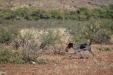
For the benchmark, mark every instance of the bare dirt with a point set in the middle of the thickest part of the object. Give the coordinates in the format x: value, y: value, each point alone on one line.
x: 67, y: 64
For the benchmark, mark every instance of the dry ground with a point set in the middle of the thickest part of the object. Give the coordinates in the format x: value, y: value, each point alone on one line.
x: 67, y: 64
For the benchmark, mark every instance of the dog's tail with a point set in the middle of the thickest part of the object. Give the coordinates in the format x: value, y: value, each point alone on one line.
x: 90, y: 42
x: 90, y: 50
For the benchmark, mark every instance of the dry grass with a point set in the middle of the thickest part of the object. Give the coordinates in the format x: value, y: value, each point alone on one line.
x: 66, y: 64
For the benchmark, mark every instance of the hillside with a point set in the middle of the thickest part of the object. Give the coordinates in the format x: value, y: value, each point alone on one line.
x: 54, y: 4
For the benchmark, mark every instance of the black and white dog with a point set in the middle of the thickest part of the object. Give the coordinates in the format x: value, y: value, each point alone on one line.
x: 79, y: 47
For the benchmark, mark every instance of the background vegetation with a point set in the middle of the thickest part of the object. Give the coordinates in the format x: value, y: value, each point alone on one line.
x: 36, y: 14
x: 82, y: 25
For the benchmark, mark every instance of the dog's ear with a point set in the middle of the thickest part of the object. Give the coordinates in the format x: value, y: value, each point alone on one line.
x: 70, y: 45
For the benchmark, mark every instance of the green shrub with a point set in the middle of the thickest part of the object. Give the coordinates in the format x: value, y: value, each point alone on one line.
x: 29, y: 55
x: 55, y: 14
x: 12, y: 57
x: 6, y: 14
x: 36, y: 14
x: 100, y: 13
x: 5, y: 36
x: 102, y: 36
x: 84, y: 13
x: 22, y: 13
x: 97, y: 32
x: 105, y: 12
x: 110, y: 11
x: 40, y: 14
x: 79, y: 39
x: 73, y: 15
x: 7, y: 56
x: 51, y: 38
x: 108, y: 24
x: 29, y: 46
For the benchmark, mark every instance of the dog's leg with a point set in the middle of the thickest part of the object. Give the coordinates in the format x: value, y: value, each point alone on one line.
x: 79, y: 53
x: 91, y: 52
x: 66, y: 49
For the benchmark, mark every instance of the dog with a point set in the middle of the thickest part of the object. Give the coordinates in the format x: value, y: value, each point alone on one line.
x: 78, y: 48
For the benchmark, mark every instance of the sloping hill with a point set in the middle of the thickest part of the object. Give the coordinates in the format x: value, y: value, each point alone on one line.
x: 53, y: 4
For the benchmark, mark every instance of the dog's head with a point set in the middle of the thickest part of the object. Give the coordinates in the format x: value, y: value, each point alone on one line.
x: 69, y: 45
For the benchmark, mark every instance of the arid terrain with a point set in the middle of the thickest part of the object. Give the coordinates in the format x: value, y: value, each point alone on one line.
x: 54, y: 4
x: 35, y: 35
x: 66, y: 64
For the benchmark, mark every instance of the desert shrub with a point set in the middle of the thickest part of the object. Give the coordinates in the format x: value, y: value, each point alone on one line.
x: 104, y: 12
x: 6, y: 14
x: 102, y: 36
x: 5, y: 36
x: 22, y: 13
x: 29, y: 46
x: 79, y: 39
x: 36, y: 14
x: 97, y: 32
x: 100, y: 13
x: 73, y: 15
x: 29, y: 55
x: 50, y: 38
x: 55, y: 14
x: 111, y: 6
x: 80, y: 14
x: 39, y: 14
x: 84, y: 13
x: 7, y: 56
x: 77, y: 33
x: 109, y: 10
x: 108, y: 24
x: 54, y: 40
